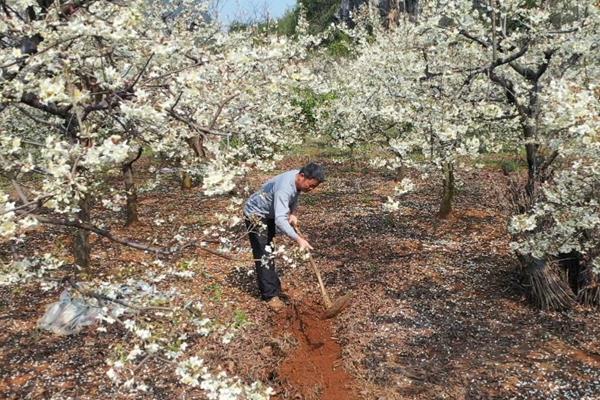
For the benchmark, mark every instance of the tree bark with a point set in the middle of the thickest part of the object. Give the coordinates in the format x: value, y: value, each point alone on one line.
x: 448, y: 193
x: 81, y: 240
x: 547, y: 289
x: 131, y: 211
x: 571, y: 263
x: 186, y: 181
x: 531, y: 151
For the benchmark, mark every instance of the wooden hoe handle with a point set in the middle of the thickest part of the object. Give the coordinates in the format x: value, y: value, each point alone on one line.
x: 326, y: 298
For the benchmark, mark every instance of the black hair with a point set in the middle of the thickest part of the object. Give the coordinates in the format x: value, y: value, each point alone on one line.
x: 313, y: 171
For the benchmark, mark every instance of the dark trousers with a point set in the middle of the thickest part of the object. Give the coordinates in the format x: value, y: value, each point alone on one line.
x: 260, y: 233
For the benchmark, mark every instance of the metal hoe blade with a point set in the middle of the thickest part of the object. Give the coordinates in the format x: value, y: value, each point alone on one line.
x: 331, y: 308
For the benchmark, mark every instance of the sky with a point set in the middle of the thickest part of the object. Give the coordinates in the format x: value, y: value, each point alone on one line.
x: 252, y: 10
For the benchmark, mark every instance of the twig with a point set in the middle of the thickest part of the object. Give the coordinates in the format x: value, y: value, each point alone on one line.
x: 135, y: 158
x: 19, y: 191
x: 38, y: 201
x: 39, y: 120
x: 33, y: 101
x: 137, y: 78
x: 176, y: 101
x: 194, y: 126
x: 40, y: 52
x: 33, y: 143
x: 172, y: 72
x: 218, y: 253
x: 141, y: 362
x: 99, y: 296
x: 106, y: 234
x: 213, y: 123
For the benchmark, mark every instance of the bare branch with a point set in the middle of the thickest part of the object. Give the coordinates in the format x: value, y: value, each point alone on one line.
x: 40, y: 52
x: 213, y: 132
x: 529, y: 73
x: 509, y: 92
x: 218, y: 253
x: 570, y: 62
x: 176, y: 101
x: 106, y: 234
x: 20, y: 191
x: 474, y: 38
x: 14, y: 182
x: 137, y: 78
x: 107, y: 103
x: 186, y: 121
x: 102, y: 297
x: 137, y: 156
x: 548, y: 161
x: 172, y: 72
x: 213, y: 123
x: 489, y: 69
x: 39, y: 202
x: 506, y: 60
x: 525, y: 72
x: 33, y: 101
x: 39, y: 120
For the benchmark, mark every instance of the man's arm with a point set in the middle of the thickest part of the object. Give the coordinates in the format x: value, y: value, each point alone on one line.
x: 282, y: 219
x: 282, y: 210
x: 293, y: 220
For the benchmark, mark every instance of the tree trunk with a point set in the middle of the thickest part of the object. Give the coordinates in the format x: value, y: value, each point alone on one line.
x: 400, y: 173
x: 546, y: 288
x: 81, y: 240
x: 571, y: 263
x: 448, y: 194
x: 186, y: 181
x: 131, y: 211
x: 197, y: 145
x: 531, y: 151
x: 588, y: 284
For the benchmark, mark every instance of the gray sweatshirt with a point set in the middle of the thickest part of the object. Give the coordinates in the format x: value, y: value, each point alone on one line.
x: 276, y: 200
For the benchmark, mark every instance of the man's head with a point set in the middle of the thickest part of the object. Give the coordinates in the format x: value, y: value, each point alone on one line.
x: 309, y: 177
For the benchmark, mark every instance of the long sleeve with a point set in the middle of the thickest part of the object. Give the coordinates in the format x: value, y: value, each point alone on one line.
x: 282, y: 211
x: 294, y: 205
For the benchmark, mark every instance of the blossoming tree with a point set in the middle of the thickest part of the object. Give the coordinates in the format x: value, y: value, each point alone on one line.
x: 89, y: 86
x: 471, y: 76
x: 543, y: 57
x: 406, y: 91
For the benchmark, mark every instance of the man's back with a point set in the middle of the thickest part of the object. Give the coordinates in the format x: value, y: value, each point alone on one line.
x: 262, y: 203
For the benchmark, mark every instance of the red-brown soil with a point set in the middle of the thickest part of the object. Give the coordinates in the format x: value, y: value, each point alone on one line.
x: 438, y: 310
x: 314, y: 369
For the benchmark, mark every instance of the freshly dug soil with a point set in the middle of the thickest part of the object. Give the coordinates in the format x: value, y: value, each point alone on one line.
x: 314, y: 368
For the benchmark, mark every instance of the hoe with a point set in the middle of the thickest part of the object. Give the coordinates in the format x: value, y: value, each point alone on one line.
x: 331, y: 308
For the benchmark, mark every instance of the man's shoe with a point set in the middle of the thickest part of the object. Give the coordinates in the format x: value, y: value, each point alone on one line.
x: 276, y: 304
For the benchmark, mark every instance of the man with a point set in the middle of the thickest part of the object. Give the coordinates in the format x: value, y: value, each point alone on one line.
x: 274, y: 207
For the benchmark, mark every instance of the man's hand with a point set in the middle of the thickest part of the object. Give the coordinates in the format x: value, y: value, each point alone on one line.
x: 303, y: 243
x: 293, y: 220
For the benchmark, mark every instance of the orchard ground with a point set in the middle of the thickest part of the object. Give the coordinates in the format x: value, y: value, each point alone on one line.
x: 437, y: 313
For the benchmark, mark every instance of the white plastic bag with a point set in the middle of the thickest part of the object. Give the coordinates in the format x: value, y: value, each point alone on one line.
x: 67, y: 316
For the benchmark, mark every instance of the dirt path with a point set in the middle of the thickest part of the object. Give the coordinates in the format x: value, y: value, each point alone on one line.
x: 314, y: 369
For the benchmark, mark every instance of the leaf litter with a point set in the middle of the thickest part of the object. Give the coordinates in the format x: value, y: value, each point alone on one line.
x: 437, y: 313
